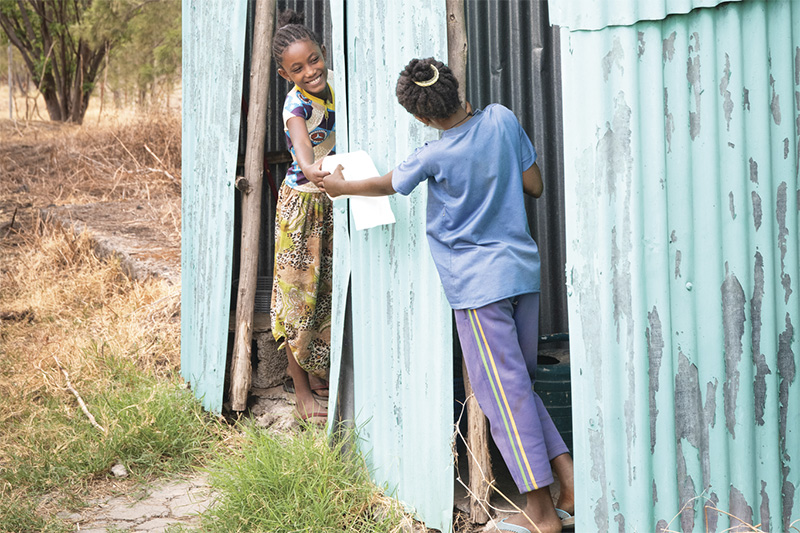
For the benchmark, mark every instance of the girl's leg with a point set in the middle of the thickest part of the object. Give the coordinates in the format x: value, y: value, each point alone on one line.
x: 562, y: 466
x: 306, y: 406
x: 538, y: 511
x: 526, y: 317
x: 498, y: 374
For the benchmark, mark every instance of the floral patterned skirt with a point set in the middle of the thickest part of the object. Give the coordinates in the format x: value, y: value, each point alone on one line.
x: 302, y: 282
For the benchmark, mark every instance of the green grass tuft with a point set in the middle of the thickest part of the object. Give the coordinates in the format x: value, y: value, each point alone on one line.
x: 20, y: 516
x: 154, y: 428
x: 297, y: 483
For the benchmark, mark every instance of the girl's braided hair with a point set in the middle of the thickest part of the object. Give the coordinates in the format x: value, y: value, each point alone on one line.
x: 439, y: 100
x: 291, y: 28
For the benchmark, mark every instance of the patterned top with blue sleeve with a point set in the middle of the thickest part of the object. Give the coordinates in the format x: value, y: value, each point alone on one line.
x: 320, y: 122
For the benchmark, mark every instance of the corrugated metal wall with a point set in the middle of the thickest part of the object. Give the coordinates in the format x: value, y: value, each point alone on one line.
x: 402, y: 340
x: 681, y: 154
x: 213, y: 44
x: 514, y: 59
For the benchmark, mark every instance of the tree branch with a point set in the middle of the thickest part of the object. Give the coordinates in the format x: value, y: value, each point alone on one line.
x: 80, y: 400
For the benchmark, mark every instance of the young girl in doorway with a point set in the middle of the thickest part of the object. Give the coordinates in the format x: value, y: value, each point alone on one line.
x: 301, y: 294
x: 489, y: 266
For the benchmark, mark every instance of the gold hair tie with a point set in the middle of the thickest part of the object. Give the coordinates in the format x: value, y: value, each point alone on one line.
x: 431, y: 81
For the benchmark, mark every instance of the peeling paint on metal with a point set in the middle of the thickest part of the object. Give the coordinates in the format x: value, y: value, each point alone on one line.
x: 669, y: 122
x: 677, y: 264
x: 797, y: 65
x: 620, y: 520
x: 775, y: 106
x: 759, y: 359
x: 746, y: 99
x: 731, y: 205
x: 733, y: 319
x: 786, y: 371
x: 788, y: 499
x: 614, y: 57
x: 739, y: 506
x: 686, y: 492
x: 727, y: 102
x: 692, y: 418
x: 753, y: 170
x: 598, y: 471
x: 711, y: 512
x: 693, y: 76
x: 757, y: 213
x: 783, y: 232
x: 641, y: 44
x: 764, y: 509
x: 668, y: 47
x: 786, y: 148
x: 655, y: 351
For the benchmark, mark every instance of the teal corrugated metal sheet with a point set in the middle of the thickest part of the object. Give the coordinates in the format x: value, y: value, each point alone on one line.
x: 341, y: 237
x: 213, y: 51
x: 598, y: 14
x: 681, y: 150
x: 402, y: 338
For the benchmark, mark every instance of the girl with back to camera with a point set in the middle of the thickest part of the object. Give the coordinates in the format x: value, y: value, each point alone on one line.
x: 301, y: 290
x: 488, y: 262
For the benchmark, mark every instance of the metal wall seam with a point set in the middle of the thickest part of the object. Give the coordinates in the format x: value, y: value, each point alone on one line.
x: 595, y: 15
x: 682, y: 276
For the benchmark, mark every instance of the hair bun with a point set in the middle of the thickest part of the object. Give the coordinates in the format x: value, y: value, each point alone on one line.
x: 290, y: 16
x: 420, y: 69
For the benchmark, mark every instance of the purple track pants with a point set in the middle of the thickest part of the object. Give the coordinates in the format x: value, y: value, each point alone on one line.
x: 500, y: 346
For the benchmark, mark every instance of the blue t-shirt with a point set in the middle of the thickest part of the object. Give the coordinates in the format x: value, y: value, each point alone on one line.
x: 477, y: 225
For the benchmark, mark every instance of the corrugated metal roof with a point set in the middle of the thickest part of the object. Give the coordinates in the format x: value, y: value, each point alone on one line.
x: 598, y: 14
x: 213, y: 42
x: 401, y: 336
x: 514, y: 59
x: 681, y: 150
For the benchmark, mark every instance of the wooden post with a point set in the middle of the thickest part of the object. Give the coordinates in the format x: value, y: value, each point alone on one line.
x: 481, y: 477
x: 241, y: 370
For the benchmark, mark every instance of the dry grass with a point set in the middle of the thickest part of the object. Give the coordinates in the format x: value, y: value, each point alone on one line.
x: 58, y: 299
x: 45, y: 163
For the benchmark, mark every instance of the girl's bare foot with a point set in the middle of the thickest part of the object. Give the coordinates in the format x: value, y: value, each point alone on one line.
x: 318, y: 386
x: 539, y: 515
x: 563, y: 468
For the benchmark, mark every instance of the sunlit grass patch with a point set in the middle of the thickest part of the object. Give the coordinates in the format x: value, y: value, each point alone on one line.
x: 298, y: 482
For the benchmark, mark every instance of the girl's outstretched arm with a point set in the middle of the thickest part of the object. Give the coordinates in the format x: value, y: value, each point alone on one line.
x: 335, y: 185
x: 532, y: 181
x: 304, y: 152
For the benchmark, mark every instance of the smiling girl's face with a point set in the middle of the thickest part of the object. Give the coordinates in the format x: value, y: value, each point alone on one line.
x: 304, y: 65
